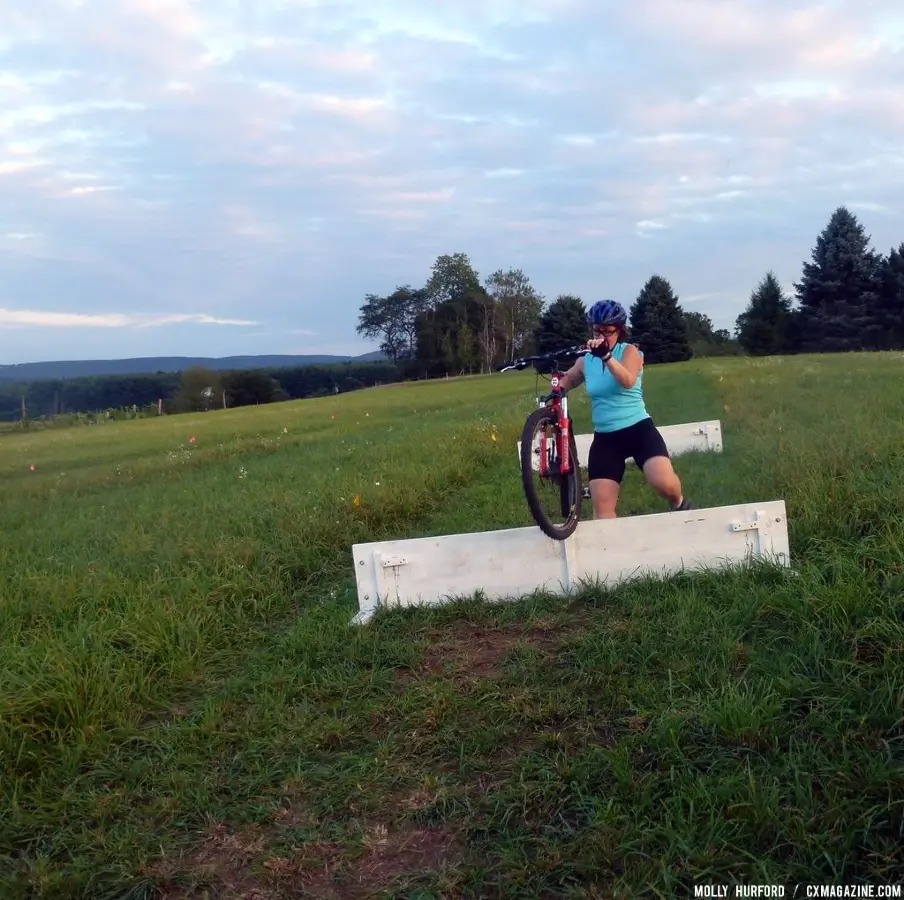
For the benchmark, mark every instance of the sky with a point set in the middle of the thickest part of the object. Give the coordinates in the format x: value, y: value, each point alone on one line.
x: 222, y: 177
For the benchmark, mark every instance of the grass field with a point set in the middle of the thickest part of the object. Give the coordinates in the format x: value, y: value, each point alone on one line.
x: 184, y: 711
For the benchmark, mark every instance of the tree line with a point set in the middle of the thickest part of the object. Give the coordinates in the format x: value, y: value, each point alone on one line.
x: 849, y: 298
x: 196, y: 389
x: 454, y: 324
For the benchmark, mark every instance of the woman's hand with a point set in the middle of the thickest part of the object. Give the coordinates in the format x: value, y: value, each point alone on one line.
x: 600, y: 348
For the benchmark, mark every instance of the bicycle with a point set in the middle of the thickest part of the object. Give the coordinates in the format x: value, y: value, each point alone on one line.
x: 558, y: 454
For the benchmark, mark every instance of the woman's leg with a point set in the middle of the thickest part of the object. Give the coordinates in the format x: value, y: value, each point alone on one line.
x: 660, y: 475
x: 604, y: 495
x: 605, y: 470
x: 652, y: 457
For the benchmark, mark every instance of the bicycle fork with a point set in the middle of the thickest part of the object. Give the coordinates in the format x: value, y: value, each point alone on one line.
x: 561, y: 407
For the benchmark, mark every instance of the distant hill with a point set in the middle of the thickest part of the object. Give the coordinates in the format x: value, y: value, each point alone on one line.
x: 149, y: 364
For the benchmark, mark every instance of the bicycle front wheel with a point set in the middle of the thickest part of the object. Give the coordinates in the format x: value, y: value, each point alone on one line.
x: 553, y: 496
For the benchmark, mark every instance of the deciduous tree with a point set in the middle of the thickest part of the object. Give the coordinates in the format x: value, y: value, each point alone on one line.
x: 199, y: 389
x: 517, y: 310
x: 382, y: 319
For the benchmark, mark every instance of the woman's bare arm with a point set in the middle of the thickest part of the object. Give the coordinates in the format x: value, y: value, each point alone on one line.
x: 574, y: 377
x: 626, y: 371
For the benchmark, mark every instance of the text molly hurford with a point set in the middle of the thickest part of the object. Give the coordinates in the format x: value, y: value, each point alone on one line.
x: 798, y: 891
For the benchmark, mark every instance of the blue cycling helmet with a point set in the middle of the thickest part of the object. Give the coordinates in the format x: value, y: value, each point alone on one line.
x: 607, y: 312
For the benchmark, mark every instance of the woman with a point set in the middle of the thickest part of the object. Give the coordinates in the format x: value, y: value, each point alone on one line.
x: 621, y: 424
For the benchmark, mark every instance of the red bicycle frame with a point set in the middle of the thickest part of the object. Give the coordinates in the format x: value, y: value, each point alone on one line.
x: 566, y: 469
x: 560, y: 405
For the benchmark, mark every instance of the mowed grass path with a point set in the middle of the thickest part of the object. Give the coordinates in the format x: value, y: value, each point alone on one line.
x: 184, y: 711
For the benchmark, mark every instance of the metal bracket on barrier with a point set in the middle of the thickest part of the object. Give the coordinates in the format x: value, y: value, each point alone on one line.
x: 764, y: 525
x: 746, y: 526
x: 381, y: 564
x: 709, y: 432
x: 390, y: 562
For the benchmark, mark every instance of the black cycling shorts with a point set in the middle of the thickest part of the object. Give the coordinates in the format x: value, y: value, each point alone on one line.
x: 610, y: 449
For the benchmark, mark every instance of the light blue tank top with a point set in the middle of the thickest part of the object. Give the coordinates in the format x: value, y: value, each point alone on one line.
x: 611, y: 406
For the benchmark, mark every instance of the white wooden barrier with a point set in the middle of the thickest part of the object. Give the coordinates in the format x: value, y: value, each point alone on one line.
x: 513, y: 562
x: 685, y: 438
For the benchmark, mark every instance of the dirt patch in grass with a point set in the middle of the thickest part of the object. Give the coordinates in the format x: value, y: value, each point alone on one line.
x: 388, y: 854
x: 230, y: 866
x: 294, y: 815
x: 472, y: 650
x: 222, y: 863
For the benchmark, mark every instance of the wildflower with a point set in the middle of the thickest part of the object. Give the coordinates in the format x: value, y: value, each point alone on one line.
x: 356, y: 502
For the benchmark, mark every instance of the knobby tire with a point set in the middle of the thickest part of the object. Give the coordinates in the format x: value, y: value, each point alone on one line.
x: 570, y: 488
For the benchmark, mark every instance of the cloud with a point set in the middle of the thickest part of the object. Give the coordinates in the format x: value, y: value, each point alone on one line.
x: 47, y: 319
x: 272, y: 163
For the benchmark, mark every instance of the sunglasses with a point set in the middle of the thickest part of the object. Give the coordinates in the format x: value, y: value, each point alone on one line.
x: 607, y: 330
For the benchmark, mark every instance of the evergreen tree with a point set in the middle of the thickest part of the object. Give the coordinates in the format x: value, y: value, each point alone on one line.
x: 837, y: 292
x: 658, y: 325
x: 889, y: 312
x: 563, y: 324
x: 763, y: 329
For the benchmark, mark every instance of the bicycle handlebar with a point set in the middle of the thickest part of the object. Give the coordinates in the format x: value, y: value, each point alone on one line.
x: 525, y: 361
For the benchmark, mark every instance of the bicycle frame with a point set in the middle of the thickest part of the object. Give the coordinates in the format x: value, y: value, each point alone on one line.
x: 560, y: 405
x: 559, y: 401
x: 564, y: 471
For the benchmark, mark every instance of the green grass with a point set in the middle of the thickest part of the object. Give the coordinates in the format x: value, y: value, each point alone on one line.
x: 184, y: 711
